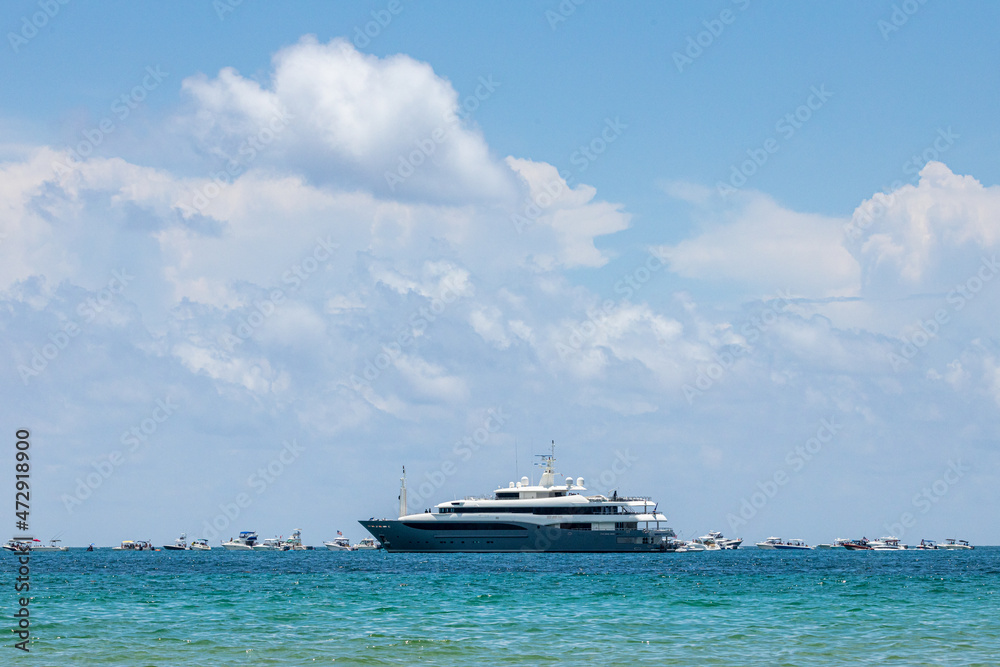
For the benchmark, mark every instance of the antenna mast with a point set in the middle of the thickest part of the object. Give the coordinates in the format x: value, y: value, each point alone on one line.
x: 402, y: 493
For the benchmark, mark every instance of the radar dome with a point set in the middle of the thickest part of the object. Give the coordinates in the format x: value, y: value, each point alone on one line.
x: 579, y: 481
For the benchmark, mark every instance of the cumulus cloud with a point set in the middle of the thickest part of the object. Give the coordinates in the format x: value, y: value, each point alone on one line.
x: 390, y: 126
x: 923, y: 237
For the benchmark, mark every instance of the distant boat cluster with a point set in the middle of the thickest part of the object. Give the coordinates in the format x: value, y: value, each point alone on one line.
x: 247, y: 541
x: 864, y: 544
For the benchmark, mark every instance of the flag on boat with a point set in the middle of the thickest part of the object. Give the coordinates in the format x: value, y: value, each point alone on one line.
x: 339, y: 534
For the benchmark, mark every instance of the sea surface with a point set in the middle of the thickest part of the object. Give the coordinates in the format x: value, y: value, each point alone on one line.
x: 320, y: 607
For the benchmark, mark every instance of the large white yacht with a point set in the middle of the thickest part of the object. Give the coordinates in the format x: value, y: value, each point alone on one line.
x: 543, y: 517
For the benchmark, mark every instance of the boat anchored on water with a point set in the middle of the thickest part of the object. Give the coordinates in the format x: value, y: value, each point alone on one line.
x: 339, y: 543
x: 53, y: 545
x: 778, y: 543
x: 269, y: 544
x: 180, y: 544
x: 837, y: 544
x: 927, y: 545
x: 725, y: 542
x: 887, y: 544
x: 952, y: 543
x: 19, y: 544
x: 245, y: 542
x: 200, y: 544
x: 294, y: 543
x: 135, y: 545
x: 543, y: 517
x: 858, y: 545
x: 367, y: 544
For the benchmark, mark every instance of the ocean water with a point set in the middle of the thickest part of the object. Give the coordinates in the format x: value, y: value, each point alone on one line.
x: 722, y: 608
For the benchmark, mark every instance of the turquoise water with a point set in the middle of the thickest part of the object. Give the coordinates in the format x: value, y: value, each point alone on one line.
x: 722, y: 608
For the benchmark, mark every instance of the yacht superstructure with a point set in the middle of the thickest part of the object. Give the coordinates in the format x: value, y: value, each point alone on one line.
x: 543, y: 517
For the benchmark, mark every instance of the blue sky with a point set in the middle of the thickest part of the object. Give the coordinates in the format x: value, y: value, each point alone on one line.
x: 639, y: 313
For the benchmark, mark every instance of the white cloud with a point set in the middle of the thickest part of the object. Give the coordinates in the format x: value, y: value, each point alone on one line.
x: 352, y: 118
x: 570, y: 215
x: 762, y: 246
x: 922, y: 237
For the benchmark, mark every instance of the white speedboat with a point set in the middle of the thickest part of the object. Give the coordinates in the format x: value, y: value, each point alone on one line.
x: 53, y: 545
x: 794, y: 545
x: 180, y: 544
x: 887, y: 544
x: 19, y: 544
x: 201, y: 544
x: 837, y: 544
x: 952, y: 543
x: 294, y: 543
x: 691, y: 546
x: 725, y: 542
x: 269, y: 544
x: 135, y: 545
x: 927, y: 545
x: 367, y: 544
x: 339, y: 543
x: 770, y: 543
x: 245, y: 542
x: 547, y: 516
x: 708, y: 541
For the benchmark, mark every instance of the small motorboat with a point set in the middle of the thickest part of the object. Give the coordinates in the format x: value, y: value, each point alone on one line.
x: 18, y: 544
x: 952, y: 543
x: 367, y: 544
x: 339, y: 543
x: 770, y: 543
x: 201, y: 544
x: 180, y: 544
x: 858, y: 545
x: 53, y: 545
x: 294, y: 543
x: 726, y: 542
x: 927, y: 545
x: 245, y: 542
x: 135, y: 545
x: 794, y: 545
x: 269, y: 544
x: 837, y: 544
x: 887, y: 544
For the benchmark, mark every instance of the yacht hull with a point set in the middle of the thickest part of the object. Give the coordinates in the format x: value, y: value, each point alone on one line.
x: 513, y: 536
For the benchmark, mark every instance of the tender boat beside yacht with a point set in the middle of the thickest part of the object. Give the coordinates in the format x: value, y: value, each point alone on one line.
x: 367, y: 544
